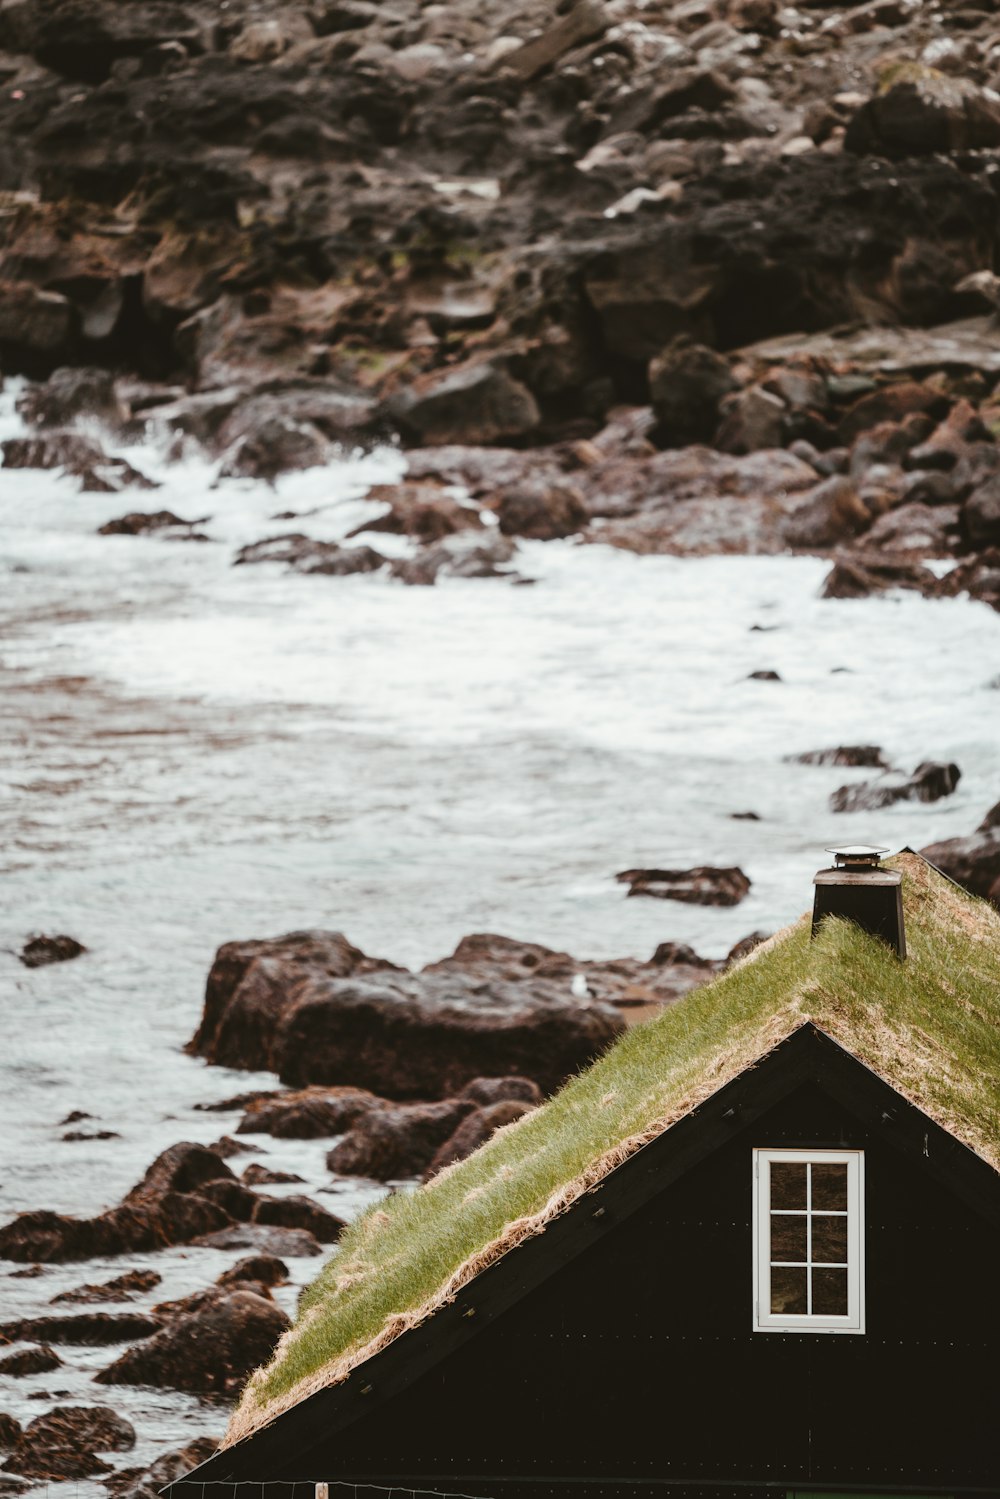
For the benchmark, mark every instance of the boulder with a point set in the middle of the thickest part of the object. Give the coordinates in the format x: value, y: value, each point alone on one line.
x: 41, y: 1360
x: 702, y: 886
x: 923, y: 111
x: 10, y: 1430
x: 264, y: 1269
x: 752, y: 419
x: 465, y: 555
x: 305, y: 555
x: 979, y: 577
x: 63, y: 1444
x: 34, y: 322
x: 861, y: 575
x: 541, y: 511
x: 299, y: 1212
x: 71, y: 393
x: 149, y: 1483
x: 211, y: 1350
x: 85, y: 1329
x: 868, y: 755
x: 39, y: 951
x: 425, y: 511
x: 257, y: 1175
x: 475, y: 402
x: 980, y: 515
x: 831, y: 513
x: 474, y: 1130
x: 314, y: 1009
x: 916, y: 530
x: 278, y: 446
x: 686, y: 384
x: 121, y: 1288
x: 258, y: 1238
x: 141, y: 523
x: 973, y: 861
x: 308, y: 1114
x: 485, y: 1091
x: 397, y: 1142
x: 931, y: 781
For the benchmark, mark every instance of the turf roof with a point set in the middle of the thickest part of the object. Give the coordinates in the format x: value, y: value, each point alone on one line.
x: 930, y: 1027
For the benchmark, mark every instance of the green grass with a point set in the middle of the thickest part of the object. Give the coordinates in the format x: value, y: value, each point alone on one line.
x: 930, y: 1026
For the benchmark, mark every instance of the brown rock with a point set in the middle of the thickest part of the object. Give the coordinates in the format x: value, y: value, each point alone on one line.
x: 149, y: 1483
x: 916, y: 530
x: 974, y: 861
x: 308, y: 1114
x: 10, y: 1430
x: 466, y: 555
x: 264, y: 1269
x: 38, y: 951
x: 890, y: 403
x: 474, y: 1130
x: 289, y: 1243
x: 86, y: 1329
x: 859, y: 576
x: 140, y: 523
x: 703, y: 885
x: 541, y: 511
x: 425, y: 511
x: 306, y: 555
x: 63, y: 1444
x: 299, y: 1212
x: 257, y: 1175
x: 34, y: 321
x: 828, y: 514
x: 931, y: 781
x: 71, y: 393
x: 980, y: 516
x: 979, y: 577
x: 472, y: 403
x: 397, y: 1142
x: 40, y: 1360
x: 868, y: 755
x: 209, y: 1350
x: 686, y: 384
x: 486, y: 1091
x: 121, y: 1288
x: 924, y: 112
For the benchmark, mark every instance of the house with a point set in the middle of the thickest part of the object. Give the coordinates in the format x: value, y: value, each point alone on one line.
x: 754, y: 1249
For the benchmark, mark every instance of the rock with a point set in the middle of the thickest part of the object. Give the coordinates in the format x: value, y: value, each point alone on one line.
x: 121, y: 1288
x: 140, y: 523
x: 299, y: 1212
x: 974, y: 861
x: 745, y: 946
x: 308, y: 1114
x: 861, y: 575
x: 980, y: 515
x: 465, y: 555
x: 474, y: 1130
x: 889, y: 403
x: 257, y: 1175
x: 763, y: 676
x: 10, y: 1430
x: 485, y: 1091
x: 929, y: 783
x: 226, y: 1146
x: 34, y: 322
x: 63, y: 1444
x: 78, y: 455
x: 264, y: 1269
x: 308, y: 556
x: 828, y: 514
x: 979, y: 577
x: 40, y: 1360
x: 39, y: 951
x: 916, y: 531
x: 868, y: 755
x: 288, y: 1243
x: 924, y: 111
x: 278, y: 446
x: 581, y: 23
x: 702, y: 886
x: 71, y: 393
x: 86, y: 1329
x: 207, y: 1351
x: 752, y: 420
x: 425, y: 511
x: 686, y: 384
x: 179, y: 1169
x: 468, y: 403
x: 148, y: 1483
x: 313, y: 1008
x: 397, y: 1142
x: 541, y: 511
x: 235, y: 1200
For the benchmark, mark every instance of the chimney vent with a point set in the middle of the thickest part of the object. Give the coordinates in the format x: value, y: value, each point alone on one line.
x: 860, y: 889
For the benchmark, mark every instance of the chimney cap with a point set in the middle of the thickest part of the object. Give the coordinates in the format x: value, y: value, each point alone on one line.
x: 857, y: 853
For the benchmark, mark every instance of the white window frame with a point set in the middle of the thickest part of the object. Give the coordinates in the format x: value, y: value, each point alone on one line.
x: 763, y: 1319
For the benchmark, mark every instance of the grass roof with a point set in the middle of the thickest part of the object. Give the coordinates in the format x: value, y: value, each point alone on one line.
x: 930, y: 1027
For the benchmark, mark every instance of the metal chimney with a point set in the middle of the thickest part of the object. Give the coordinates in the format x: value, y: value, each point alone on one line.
x: 859, y: 889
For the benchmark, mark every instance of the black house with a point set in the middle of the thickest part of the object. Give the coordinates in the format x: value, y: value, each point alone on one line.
x: 754, y: 1249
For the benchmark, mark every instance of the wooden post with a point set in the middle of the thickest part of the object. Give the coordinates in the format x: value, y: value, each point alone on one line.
x: 322, y: 1491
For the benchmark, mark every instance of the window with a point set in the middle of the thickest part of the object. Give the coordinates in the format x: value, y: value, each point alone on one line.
x: 808, y: 1272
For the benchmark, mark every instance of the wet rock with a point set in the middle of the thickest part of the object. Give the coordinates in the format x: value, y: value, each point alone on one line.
x: 288, y: 1243
x: 973, y: 861
x: 210, y: 1350
x: 980, y: 515
x: 313, y: 1008
x: 264, y: 1269
x: 861, y: 575
x: 468, y: 403
x: 702, y: 886
x: 584, y: 21
x: 226, y: 1146
x: 474, y: 1130
x: 686, y: 384
x: 831, y: 513
x: 34, y: 322
x: 120, y: 1288
x: 40, y: 1360
x: 277, y: 447
x: 485, y: 1091
x: 148, y: 1483
x: 71, y: 393
x: 465, y: 555
x: 868, y: 755
x: 752, y: 419
x: 764, y: 675
x: 924, y: 112
x: 87, y: 1329
x: 397, y: 1142
x: 257, y: 1175
x: 979, y: 577
x: 63, y: 1444
x: 78, y: 455
x: 236, y: 1200
x: 10, y: 1430
x: 916, y: 531
x: 306, y: 555
x: 141, y: 523
x: 39, y: 951
x: 745, y: 947
x: 541, y: 511
x: 425, y: 511
x: 889, y: 403
x: 309, y: 1113
x: 299, y: 1212
x: 931, y: 781
x: 179, y: 1169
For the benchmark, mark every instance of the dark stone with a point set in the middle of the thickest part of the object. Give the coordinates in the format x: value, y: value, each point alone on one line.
x: 425, y: 511
x: 87, y: 1329
x: 232, y: 1197
x: 257, y: 1175
x: 974, y: 861
x: 686, y: 384
x: 308, y: 1114
x: 474, y: 1130
x: 264, y: 1269
x: 745, y: 946
x: 40, y: 1360
x: 10, y: 1430
x: 763, y: 676
x: 931, y: 781
x: 71, y: 393
x: 861, y: 575
x: 979, y: 577
x: 299, y: 1212
x: 462, y: 556
x: 308, y: 556
x: 289, y: 1243
x: 38, y: 951
x: 542, y: 511
x: 140, y: 523
x: 468, y: 403
x: 925, y: 112
x: 703, y: 885
x: 484, y: 1091
x: 671, y: 953
x: 209, y: 1350
x: 397, y: 1142
x: 868, y: 755
x: 831, y: 513
x: 278, y: 446
x: 980, y: 515
x: 121, y: 1288
x: 149, y: 1483
x: 63, y: 1444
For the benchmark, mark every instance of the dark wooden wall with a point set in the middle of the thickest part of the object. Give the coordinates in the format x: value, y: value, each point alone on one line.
x: 635, y: 1365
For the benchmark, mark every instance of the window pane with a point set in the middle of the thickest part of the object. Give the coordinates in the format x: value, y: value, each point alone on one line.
x: 829, y: 1184
x: 788, y: 1237
x: 788, y: 1291
x: 788, y: 1184
x: 829, y: 1292
x: 829, y: 1239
